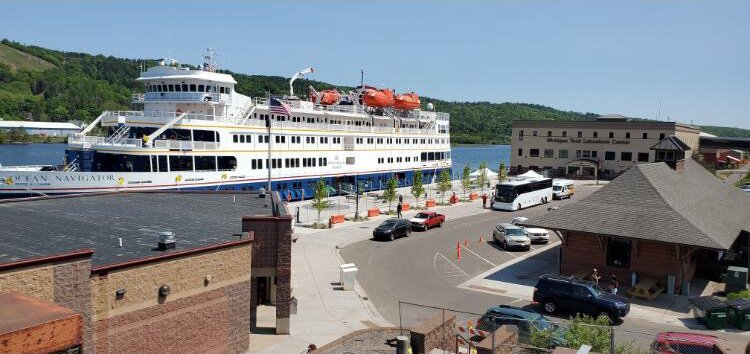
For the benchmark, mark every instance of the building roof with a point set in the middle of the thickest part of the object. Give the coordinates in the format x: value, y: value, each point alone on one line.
x: 671, y: 143
x: 35, y: 228
x: 37, y: 125
x: 653, y: 202
x: 603, y: 124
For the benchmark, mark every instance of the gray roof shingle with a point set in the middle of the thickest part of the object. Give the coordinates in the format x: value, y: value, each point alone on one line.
x: 654, y: 202
x: 671, y: 143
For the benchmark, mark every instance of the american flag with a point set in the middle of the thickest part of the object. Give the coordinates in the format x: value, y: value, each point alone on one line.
x: 278, y: 107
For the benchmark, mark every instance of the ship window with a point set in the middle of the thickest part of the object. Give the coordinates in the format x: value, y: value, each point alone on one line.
x: 200, y: 88
x: 185, y: 87
x: 234, y: 138
x: 178, y: 88
x: 221, y: 89
x: 227, y: 163
x: 158, y: 88
x: 205, y: 163
x: 164, y: 88
x: 180, y: 163
x: 192, y: 87
x: 208, y: 88
x: 229, y: 90
x: 242, y: 138
x: 171, y: 88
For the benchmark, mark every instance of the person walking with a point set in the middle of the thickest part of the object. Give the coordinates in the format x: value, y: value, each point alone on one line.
x: 492, y: 200
x: 399, y: 208
x: 595, y: 276
x: 484, y: 201
x: 613, y: 285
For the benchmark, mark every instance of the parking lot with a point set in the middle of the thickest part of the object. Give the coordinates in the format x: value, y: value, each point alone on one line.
x: 425, y: 269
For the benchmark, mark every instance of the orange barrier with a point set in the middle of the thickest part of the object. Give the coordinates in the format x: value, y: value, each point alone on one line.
x: 404, y: 206
x: 337, y: 219
x: 373, y: 212
x: 473, y: 196
x: 429, y: 203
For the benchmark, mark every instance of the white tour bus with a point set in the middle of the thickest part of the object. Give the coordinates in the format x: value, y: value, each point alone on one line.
x: 516, y: 195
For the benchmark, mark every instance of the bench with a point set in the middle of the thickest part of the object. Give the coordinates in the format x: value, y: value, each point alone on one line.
x: 646, y: 288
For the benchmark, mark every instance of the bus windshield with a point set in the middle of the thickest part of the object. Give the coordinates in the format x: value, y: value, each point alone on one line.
x: 505, y: 194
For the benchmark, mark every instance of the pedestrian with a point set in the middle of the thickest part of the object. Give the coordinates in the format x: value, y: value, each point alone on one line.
x: 492, y: 200
x: 484, y: 201
x: 399, y: 208
x: 400, y: 198
x: 613, y: 285
x: 595, y: 276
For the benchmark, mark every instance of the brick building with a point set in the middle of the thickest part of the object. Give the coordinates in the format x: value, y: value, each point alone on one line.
x: 103, y: 257
x: 608, y: 145
x: 656, y: 220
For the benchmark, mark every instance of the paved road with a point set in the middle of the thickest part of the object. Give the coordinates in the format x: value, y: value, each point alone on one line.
x: 424, y: 269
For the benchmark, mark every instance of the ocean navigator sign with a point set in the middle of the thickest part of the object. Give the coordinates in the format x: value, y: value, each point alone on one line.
x: 588, y: 141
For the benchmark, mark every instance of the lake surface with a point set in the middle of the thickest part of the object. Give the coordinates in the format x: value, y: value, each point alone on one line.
x: 52, y: 154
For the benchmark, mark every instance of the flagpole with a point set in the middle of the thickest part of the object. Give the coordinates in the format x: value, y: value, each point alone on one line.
x: 268, y: 125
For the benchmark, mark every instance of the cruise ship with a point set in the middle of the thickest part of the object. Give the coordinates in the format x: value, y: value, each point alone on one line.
x: 196, y: 132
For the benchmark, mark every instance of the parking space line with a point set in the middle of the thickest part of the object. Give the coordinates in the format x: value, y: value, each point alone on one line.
x: 480, y: 257
x: 434, y: 263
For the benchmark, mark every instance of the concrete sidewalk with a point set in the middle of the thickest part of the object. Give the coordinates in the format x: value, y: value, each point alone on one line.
x: 325, y: 312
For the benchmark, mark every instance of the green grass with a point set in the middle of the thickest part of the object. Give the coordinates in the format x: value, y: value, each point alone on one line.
x: 18, y: 60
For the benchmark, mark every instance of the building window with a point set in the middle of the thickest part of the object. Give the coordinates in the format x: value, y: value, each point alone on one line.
x: 534, y: 133
x: 520, y: 152
x: 618, y: 253
x: 661, y: 136
x: 627, y: 135
x: 645, y: 135
x: 562, y: 153
x: 520, y: 135
x: 534, y: 152
x: 549, y: 133
x: 565, y: 133
x: 580, y: 134
x: 596, y: 134
x: 578, y: 154
x: 549, y: 153
x: 626, y: 156
x: 642, y: 157
x: 611, y: 135
x: 609, y: 155
x: 586, y: 154
x: 594, y: 154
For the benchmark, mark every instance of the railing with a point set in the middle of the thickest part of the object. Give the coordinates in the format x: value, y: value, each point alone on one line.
x: 185, y: 145
x: 87, y: 142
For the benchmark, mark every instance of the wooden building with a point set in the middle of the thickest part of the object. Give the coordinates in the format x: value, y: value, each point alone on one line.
x: 656, y: 220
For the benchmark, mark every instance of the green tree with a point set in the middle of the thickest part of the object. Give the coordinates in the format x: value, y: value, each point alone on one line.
x: 18, y: 135
x: 482, y: 178
x: 3, y: 137
x: 444, y: 183
x: 582, y: 329
x: 390, y: 193
x: 320, y: 198
x: 466, y: 180
x: 417, y: 186
x: 502, y: 173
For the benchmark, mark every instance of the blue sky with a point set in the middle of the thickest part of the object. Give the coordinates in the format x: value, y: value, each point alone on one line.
x: 604, y: 57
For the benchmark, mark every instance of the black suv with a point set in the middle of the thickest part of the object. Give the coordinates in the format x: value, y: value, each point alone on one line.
x: 392, y: 228
x: 567, y: 292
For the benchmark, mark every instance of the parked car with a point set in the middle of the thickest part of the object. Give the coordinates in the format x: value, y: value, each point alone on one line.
x: 556, y: 292
x: 684, y: 343
x: 527, y: 322
x: 535, y: 234
x: 427, y: 219
x: 391, y: 229
x: 510, y: 236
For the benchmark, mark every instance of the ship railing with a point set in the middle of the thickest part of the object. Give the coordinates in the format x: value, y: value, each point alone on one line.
x: 115, y: 116
x: 184, y: 97
x: 185, y: 145
x: 88, y: 142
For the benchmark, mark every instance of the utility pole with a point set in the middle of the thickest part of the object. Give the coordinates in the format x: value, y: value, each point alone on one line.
x: 356, y: 213
x: 268, y: 125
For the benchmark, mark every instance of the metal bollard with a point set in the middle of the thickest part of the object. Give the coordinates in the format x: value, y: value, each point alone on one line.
x: 402, y: 345
x: 298, y: 215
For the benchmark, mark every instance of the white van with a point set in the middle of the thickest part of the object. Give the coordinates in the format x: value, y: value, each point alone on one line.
x: 563, y: 188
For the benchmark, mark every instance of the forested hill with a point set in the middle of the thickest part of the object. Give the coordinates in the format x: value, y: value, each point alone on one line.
x: 49, y: 85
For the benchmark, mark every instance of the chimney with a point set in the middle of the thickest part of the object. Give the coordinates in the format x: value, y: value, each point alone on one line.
x: 679, y: 166
x: 167, y: 241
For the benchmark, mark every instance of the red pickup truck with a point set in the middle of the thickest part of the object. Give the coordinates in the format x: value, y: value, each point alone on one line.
x: 427, y: 219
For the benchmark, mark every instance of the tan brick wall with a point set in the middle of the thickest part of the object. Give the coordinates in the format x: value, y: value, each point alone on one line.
x: 34, y: 281
x: 185, y: 276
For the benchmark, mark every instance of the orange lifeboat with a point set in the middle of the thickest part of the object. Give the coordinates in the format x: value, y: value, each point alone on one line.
x: 406, y: 101
x: 378, y: 98
x: 326, y: 97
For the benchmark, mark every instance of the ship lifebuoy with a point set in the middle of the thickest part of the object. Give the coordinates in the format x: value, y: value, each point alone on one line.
x: 121, y: 181
x: 206, y: 99
x: 178, y: 178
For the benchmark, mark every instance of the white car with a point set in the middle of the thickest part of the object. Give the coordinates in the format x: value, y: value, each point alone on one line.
x: 535, y: 234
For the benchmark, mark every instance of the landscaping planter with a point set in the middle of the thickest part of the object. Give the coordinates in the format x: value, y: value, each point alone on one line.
x: 405, y: 207
x: 429, y: 203
x: 337, y: 219
x: 710, y: 311
x: 373, y: 212
x: 473, y: 196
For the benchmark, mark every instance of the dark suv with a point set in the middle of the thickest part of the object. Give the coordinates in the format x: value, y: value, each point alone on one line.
x: 567, y: 292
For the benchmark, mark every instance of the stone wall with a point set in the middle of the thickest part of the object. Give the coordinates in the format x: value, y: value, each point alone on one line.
x: 207, y: 309
x: 435, y: 333
x: 503, y: 341
x: 35, y: 281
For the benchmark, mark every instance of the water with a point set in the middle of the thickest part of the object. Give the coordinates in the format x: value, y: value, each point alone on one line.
x: 52, y: 154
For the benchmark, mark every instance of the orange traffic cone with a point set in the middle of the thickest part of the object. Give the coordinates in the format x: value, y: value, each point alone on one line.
x: 481, y: 239
x: 458, y: 250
